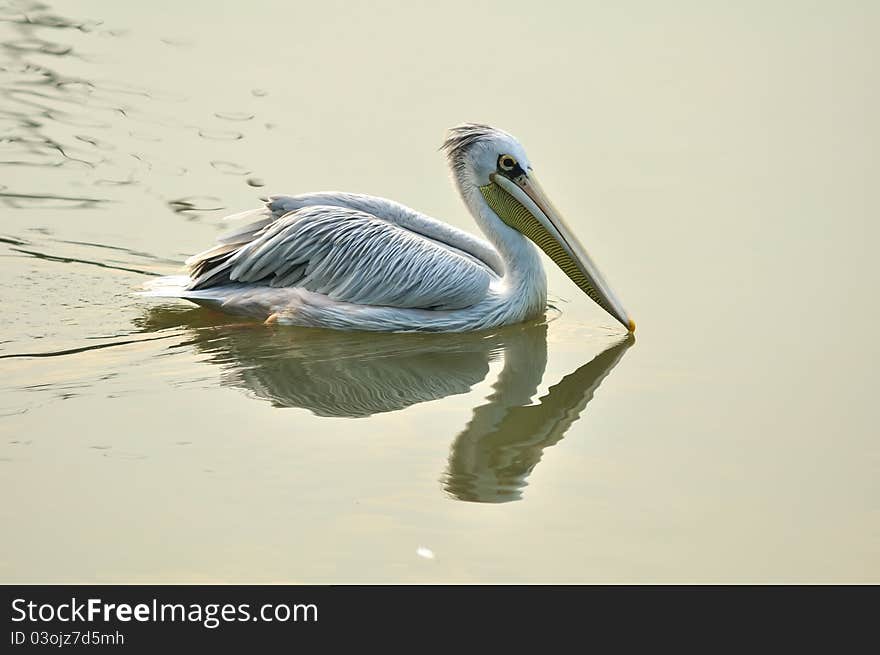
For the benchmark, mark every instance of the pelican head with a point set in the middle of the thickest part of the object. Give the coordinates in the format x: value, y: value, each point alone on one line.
x: 494, y: 162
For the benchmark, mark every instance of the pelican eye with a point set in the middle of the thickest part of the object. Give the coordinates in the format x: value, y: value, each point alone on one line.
x: 506, y: 163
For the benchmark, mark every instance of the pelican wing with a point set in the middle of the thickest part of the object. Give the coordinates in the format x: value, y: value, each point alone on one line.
x: 397, y: 214
x: 348, y: 255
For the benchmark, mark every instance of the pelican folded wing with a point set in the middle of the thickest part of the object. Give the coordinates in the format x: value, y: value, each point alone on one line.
x: 349, y: 256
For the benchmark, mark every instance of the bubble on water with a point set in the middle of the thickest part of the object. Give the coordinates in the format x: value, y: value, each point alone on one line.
x: 229, y: 168
x: 76, y: 86
x: 425, y: 553
x: 255, y: 182
x: 259, y: 93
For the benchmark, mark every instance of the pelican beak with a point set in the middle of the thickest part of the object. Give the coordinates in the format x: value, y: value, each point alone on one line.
x: 544, y: 225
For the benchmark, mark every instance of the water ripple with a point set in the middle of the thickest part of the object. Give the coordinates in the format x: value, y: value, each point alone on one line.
x: 221, y: 135
x: 77, y: 260
x: 26, y: 201
x: 234, y: 116
x: 81, y: 349
x: 196, y: 203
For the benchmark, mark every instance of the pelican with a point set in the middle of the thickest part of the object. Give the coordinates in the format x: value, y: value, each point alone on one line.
x: 357, y: 262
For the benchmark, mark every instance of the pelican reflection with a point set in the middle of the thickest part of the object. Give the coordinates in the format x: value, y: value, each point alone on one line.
x: 356, y: 374
x: 334, y: 373
x: 491, y: 459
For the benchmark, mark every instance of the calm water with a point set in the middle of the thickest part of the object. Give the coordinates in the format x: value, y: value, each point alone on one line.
x: 720, y: 163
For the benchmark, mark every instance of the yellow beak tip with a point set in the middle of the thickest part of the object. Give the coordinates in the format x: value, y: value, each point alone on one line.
x: 632, y: 325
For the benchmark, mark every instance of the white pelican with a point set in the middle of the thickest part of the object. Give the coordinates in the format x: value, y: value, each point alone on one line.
x: 358, y: 262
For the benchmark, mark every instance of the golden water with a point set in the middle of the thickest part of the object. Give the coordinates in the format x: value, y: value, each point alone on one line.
x: 719, y: 162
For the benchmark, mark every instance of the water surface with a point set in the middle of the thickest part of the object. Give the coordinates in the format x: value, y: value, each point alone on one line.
x: 719, y: 163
